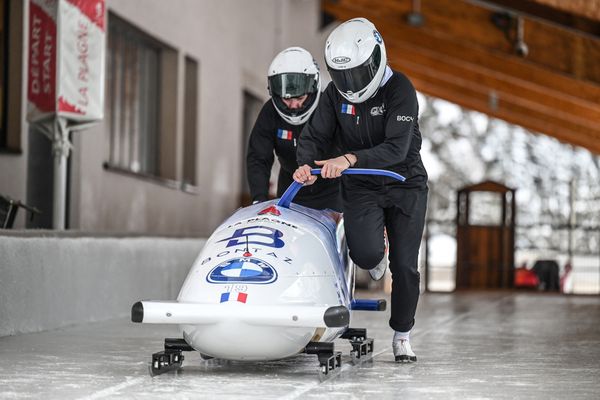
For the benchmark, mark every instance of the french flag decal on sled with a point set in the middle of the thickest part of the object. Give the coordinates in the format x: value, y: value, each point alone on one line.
x: 283, y: 134
x: 348, y: 109
x: 241, y: 297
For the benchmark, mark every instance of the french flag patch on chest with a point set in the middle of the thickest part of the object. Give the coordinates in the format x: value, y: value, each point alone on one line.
x: 348, y: 109
x: 284, y: 134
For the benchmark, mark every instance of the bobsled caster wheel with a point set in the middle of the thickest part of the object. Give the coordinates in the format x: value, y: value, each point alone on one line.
x: 165, y: 361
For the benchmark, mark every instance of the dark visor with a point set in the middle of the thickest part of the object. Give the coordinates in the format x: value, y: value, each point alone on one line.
x: 356, y: 79
x: 290, y: 85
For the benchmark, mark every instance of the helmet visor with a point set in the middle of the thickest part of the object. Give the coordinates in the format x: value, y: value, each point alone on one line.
x: 294, y: 112
x: 289, y: 85
x: 356, y: 79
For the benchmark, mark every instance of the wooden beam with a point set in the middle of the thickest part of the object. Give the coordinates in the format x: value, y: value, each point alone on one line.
x: 550, y: 47
x: 583, y: 113
x: 508, y: 108
x: 582, y: 15
x: 445, y: 64
x: 589, y: 8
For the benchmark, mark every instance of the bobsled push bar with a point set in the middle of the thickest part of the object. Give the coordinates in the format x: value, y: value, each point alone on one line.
x: 293, y: 189
x: 172, y: 312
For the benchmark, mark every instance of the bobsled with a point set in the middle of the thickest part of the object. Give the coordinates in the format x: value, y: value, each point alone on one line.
x: 272, y: 281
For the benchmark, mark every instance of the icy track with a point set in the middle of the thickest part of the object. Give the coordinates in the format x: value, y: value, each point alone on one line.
x: 498, y: 345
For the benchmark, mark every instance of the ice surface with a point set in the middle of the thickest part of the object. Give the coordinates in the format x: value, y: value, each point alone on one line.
x: 470, y: 346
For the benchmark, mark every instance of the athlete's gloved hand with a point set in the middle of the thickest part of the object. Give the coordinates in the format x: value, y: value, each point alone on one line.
x: 302, y: 175
x: 334, y: 167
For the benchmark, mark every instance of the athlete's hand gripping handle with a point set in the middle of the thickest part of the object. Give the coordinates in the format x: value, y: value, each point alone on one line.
x: 293, y: 189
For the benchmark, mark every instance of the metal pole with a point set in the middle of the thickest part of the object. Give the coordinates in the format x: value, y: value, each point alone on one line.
x: 60, y: 150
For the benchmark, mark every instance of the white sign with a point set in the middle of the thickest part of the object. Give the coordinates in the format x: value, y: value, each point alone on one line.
x: 66, y: 59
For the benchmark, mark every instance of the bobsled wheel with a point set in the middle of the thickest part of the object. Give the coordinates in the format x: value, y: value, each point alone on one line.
x: 165, y: 361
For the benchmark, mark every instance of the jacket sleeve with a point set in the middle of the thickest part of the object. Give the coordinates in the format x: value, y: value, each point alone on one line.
x: 259, y: 158
x: 402, y: 114
x: 317, y: 136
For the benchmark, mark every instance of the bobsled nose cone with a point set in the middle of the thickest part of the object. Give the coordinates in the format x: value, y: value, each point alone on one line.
x: 137, y: 312
x: 336, y: 317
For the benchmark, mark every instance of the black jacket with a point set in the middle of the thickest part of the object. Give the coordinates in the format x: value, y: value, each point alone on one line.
x: 383, y: 132
x: 271, y: 133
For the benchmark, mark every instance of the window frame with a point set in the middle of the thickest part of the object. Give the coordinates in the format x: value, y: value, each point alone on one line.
x: 191, y: 101
x: 130, y: 34
x: 171, y: 125
x: 4, y: 43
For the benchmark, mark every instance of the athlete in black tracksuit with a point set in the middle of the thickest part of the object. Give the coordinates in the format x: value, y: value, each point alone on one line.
x: 271, y: 133
x: 382, y: 132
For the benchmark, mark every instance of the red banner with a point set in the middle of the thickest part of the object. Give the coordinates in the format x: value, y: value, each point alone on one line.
x: 42, y: 59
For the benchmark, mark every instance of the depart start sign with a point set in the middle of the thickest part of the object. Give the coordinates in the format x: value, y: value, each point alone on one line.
x: 66, y: 59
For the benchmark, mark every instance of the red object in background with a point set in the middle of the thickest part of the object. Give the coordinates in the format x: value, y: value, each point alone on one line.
x: 525, y: 278
x: 41, y: 86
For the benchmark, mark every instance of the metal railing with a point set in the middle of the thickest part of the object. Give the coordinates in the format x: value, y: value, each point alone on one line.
x: 9, y: 209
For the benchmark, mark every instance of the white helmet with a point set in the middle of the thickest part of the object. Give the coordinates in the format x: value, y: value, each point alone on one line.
x: 294, y: 73
x: 356, y: 59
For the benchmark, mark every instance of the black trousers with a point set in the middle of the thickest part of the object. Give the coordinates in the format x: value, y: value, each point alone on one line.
x: 402, y: 212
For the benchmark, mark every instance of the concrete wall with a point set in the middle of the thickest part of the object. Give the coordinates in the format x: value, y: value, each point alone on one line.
x: 51, y: 282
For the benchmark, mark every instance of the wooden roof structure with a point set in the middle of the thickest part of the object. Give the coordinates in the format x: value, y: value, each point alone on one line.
x: 471, y: 52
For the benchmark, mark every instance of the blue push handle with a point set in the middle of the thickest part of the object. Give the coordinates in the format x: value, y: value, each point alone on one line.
x: 293, y: 189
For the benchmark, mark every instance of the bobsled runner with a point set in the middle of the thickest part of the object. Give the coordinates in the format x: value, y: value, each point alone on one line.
x: 274, y: 280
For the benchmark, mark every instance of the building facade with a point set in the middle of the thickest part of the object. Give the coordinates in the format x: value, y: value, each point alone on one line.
x: 184, y: 81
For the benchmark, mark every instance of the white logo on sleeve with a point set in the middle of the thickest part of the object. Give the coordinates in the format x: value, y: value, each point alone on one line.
x: 404, y: 118
x: 375, y: 111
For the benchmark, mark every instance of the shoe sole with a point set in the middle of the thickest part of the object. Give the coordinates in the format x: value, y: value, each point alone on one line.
x: 377, y: 278
x: 406, y: 359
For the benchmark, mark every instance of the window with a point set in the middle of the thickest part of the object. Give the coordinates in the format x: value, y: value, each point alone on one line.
x: 133, y: 106
x: 485, y: 209
x: 190, y: 121
x: 3, y: 68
